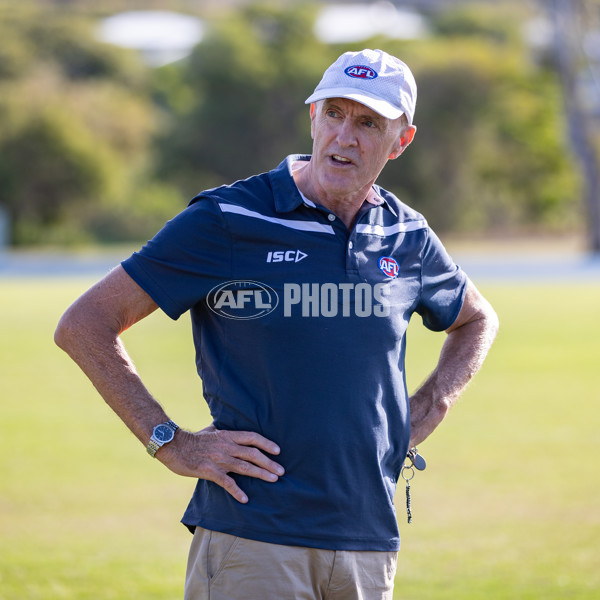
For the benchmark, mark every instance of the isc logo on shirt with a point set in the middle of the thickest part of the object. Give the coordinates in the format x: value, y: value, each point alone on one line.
x: 360, y: 72
x: 286, y: 256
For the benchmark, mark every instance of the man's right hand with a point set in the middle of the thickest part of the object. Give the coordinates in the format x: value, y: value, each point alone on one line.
x: 212, y: 454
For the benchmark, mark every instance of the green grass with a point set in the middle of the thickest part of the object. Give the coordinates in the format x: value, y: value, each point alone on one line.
x: 508, y: 508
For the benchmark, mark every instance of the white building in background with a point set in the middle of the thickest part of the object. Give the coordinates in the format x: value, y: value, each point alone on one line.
x: 344, y: 23
x: 165, y: 36
x: 161, y: 36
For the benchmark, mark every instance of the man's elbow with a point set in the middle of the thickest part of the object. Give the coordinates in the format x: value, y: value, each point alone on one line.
x: 64, y: 334
x: 484, y: 314
x: 477, y: 315
x: 75, y: 326
x: 491, y: 321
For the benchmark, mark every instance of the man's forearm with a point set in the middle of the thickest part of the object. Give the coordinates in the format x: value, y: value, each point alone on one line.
x: 89, y: 332
x: 462, y: 355
x: 101, y: 355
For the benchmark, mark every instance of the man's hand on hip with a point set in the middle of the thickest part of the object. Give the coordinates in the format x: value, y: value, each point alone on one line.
x: 212, y: 454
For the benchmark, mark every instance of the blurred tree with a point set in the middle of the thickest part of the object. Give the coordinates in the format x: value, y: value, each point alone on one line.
x: 49, y: 164
x: 494, y: 25
x: 34, y: 35
x: 16, y: 53
x: 86, y: 131
x: 576, y: 59
x: 76, y: 125
x: 244, y: 109
x: 489, y: 152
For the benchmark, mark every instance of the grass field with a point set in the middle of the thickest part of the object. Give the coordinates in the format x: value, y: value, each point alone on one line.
x: 509, y: 507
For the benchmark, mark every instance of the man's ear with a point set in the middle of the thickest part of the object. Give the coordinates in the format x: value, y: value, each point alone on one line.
x: 313, y: 113
x: 405, y: 139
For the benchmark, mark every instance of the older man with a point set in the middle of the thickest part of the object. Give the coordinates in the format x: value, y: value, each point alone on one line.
x: 301, y: 283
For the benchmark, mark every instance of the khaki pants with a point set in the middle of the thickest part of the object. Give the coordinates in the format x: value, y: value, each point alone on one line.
x: 224, y: 567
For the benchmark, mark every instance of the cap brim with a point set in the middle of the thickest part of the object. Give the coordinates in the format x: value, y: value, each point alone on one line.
x: 381, y: 107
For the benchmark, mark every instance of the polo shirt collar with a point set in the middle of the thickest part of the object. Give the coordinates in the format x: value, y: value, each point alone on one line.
x: 287, y: 195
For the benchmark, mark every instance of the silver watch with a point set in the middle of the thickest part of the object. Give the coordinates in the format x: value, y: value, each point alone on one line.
x: 161, y: 435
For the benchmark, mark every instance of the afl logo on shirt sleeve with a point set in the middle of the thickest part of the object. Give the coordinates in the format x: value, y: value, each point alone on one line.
x: 389, y: 266
x: 360, y: 72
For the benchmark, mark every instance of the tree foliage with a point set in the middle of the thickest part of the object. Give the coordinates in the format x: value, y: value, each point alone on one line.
x: 95, y: 145
x: 247, y: 83
x: 76, y: 124
x: 490, y: 149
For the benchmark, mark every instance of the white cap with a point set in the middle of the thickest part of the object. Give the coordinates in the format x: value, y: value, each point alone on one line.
x: 374, y: 78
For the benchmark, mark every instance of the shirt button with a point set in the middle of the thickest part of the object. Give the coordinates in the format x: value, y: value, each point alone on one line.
x: 331, y: 217
x: 350, y: 245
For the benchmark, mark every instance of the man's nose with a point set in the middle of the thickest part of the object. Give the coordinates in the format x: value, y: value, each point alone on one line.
x: 347, y: 134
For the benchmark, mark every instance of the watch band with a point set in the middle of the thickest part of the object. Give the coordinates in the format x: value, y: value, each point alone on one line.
x: 154, y: 444
x: 152, y: 447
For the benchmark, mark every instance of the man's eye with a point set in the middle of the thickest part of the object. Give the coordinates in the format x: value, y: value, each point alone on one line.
x: 331, y: 113
x: 370, y: 124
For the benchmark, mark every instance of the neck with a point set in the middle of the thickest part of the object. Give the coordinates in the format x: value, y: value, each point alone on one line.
x: 344, y: 206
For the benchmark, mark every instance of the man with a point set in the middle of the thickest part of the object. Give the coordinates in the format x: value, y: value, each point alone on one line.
x: 300, y: 283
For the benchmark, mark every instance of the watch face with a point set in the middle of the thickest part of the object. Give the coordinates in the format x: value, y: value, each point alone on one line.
x: 163, y: 433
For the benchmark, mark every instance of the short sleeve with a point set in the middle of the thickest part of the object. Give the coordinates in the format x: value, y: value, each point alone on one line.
x: 443, y: 286
x: 189, y: 256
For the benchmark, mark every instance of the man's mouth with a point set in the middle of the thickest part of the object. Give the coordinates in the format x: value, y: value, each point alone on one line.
x: 336, y: 158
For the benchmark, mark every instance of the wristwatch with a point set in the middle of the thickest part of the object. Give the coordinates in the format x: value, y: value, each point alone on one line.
x: 162, y: 434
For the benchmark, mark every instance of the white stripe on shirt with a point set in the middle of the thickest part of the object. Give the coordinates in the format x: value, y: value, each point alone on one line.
x: 298, y: 225
x: 382, y: 231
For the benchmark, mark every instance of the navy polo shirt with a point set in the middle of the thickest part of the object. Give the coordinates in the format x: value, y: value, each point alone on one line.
x: 299, y: 327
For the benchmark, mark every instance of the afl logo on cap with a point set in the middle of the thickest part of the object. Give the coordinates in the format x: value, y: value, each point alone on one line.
x: 389, y: 266
x: 360, y: 72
